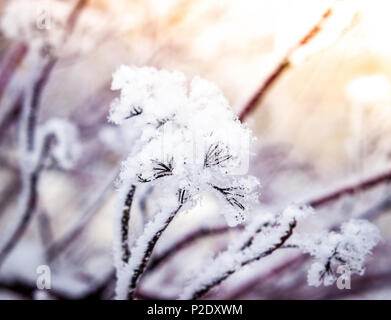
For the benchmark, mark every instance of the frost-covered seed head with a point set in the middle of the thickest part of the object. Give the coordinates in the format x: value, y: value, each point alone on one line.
x: 189, y: 140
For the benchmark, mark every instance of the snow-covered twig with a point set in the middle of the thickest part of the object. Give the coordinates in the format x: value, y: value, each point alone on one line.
x: 125, y: 224
x: 259, y: 240
x: 144, y: 246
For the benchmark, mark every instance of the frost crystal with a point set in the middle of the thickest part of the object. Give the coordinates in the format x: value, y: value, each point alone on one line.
x: 188, y: 142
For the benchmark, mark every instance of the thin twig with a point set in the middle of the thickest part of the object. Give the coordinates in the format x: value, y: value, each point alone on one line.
x: 281, y: 68
x: 125, y: 224
x: 384, y: 177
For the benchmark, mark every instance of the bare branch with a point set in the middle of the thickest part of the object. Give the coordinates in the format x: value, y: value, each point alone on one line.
x: 281, y: 68
x: 384, y: 177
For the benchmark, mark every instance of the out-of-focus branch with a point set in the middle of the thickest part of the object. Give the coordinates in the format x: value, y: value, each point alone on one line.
x: 45, y: 231
x: 377, y: 210
x: 10, y: 62
x: 31, y: 107
x: 363, y: 185
x: 72, y: 18
x: 272, y: 274
x: 281, y: 68
x: 85, y: 218
x: 27, y: 290
x: 29, y: 198
x: 186, y: 241
x: 32, y: 101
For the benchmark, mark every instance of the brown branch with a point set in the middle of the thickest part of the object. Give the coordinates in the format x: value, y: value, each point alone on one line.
x: 10, y: 62
x: 281, y: 68
x: 74, y: 15
x: 384, y: 177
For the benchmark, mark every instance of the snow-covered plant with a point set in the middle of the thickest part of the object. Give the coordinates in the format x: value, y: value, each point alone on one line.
x: 261, y: 237
x: 266, y: 233
x: 349, y: 248
x: 188, y: 142
x: 180, y: 149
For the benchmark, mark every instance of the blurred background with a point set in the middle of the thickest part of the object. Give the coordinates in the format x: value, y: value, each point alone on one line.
x: 314, y: 75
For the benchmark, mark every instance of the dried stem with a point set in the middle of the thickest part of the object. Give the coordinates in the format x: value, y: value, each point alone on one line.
x: 125, y: 224
x: 281, y: 68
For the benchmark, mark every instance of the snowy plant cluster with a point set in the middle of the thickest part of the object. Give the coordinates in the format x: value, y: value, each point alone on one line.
x: 188, y: 142
x: 349, y: 248
x: 180, y: 149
